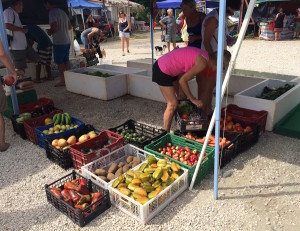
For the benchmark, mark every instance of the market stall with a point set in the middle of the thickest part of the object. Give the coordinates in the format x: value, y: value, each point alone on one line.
x: 267, y: 33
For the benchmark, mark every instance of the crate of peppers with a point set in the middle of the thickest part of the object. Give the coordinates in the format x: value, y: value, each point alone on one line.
x: 78, y: 198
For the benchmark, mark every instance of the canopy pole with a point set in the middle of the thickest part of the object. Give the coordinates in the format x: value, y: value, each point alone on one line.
x: 5, y: 45
x: 225, y: 83
x: 151, y: 35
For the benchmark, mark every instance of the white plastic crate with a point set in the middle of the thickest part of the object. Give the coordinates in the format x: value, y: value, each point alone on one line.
x: 116, y: 156
x: 115, y: 68
x: 144, y: 213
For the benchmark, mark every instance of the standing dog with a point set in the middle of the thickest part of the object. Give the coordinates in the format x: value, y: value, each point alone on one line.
x: 159, y: 49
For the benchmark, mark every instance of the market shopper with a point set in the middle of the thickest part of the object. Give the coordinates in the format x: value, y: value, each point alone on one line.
x: 19, y: 48
x: 297, y: 29
x: 44, y: 49
x: 124, y: 30
x: 90, y: 34
x: 169, y: 23
x: 207, y: 79
x: 90, y: 21
x: 175, y: 69
x: 3, y: 101
x: 279, y: 24
x: 59, y: 30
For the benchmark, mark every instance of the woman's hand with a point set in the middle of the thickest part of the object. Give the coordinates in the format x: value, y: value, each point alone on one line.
x: 198, y: 103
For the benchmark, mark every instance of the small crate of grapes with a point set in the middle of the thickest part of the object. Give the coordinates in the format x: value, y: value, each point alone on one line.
x: 138, y: 134
x: 92, y: 149
x: 186, y: 153
x: 98, y: 200
x: 120, y: 157
x: 190, y: 118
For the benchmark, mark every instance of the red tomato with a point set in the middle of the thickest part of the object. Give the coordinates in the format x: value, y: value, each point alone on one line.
x: 9, y: 80
x: 184, y: 116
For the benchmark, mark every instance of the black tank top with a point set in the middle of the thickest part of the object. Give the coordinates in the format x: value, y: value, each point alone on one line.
x: 279, y: 21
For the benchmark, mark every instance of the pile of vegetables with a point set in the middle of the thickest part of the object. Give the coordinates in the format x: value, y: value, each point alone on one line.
x: 98, y: 74
x: 274, y: 93
x: 90, y: 150
x: 76, y: 194
x: 131, y: 135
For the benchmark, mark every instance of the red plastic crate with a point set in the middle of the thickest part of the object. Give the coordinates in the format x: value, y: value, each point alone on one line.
x: 42, y: 102
x: 247, y: 115
x: 80, y: 159
x: 31, y: 124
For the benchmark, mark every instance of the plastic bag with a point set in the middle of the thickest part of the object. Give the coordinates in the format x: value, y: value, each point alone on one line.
x: 76, y: 46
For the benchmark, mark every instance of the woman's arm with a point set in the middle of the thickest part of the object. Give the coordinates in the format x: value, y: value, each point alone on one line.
x: 210, y: 27
x: 199, y: 66
x: 129, y: 24
x: 276, y: 17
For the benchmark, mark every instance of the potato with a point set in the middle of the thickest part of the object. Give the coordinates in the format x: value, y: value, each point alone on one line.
x: 129, y: 159
x: 135, y: 163
x: 126, y: 168
x: 100, y: 172
x: 110, y: 176
x: 119, y: 172
x: 113, y: 168
x: 104, y: 178
x: 136, y: 159
x: 121, y: 164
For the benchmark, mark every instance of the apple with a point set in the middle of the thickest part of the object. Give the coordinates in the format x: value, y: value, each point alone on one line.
x: 177, y: 147
x: 160, y: 149
x: 187, y: 149
x: 173, y: 147
x: 55, y: 142
x: 181, y: 159
x: 169, y: 145
x: 195, y: 151
x: 248, y: 129
x: 173, y: 151
x: 185, y: 162
x: 71, y: 140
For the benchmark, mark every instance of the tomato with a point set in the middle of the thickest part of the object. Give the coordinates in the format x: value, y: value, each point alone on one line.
x: 9, y: 80
x: 184, y: 116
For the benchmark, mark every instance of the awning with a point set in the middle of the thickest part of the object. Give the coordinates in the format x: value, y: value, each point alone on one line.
x: 83, y: 4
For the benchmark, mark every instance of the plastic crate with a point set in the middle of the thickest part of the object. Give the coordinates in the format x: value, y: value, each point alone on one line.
x: 18, y: 127
x: 144, y: 213
x: 227, y: 153
x: 114, y: 157
x: 41, y: 136
x: 23, y: 98
x: 78, y: 216
x: 31, y: 124
x: 247, y: 115
x: 37, y: 105
x: 63, y: 157
x: 150, y: 132
x: 208, y: 161
x: 80, y: 159
x: 190, y: 125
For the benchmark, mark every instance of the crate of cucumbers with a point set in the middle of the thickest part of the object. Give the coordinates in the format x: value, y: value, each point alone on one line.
x: 137, y: 133
x: 62, y: 124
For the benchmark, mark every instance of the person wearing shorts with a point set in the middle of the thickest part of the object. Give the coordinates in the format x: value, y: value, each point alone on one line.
x: 297, y: 28
x: 177, y: 68
x: 44, y: 49
x: 59, y: 30
x: 279, y: 24
x: 3, y: 101
x: 19, y: 48
x: 124, y: 30
x: 169, y: 23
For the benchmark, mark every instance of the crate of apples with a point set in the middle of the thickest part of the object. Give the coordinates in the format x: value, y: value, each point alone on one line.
x: 183, y: 154
x: 229, y: 125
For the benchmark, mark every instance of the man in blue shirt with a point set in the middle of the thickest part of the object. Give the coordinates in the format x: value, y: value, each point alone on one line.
x: 44, y: 47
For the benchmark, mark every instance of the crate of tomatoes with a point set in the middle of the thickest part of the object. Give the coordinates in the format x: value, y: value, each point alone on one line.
x: 78, y: 198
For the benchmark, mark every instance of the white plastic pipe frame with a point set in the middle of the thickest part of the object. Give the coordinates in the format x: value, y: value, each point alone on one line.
x: 224, y: 86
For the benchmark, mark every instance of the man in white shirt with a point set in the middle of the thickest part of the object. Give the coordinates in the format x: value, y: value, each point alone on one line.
x: 18, y: 45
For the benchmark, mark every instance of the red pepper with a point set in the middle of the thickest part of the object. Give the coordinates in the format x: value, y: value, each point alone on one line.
x: 67, y: 197
x: 95, y: 197
x: 83, y: 182
x: 82, y: 207
x: 70, y: 185
x: 74, y: 196
x: 82, y: 189
x: 84, y: 199
x: 56, y: 191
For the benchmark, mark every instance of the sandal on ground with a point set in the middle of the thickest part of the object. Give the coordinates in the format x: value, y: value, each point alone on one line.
x: 5, y: 147
x: 60, y: 84
x: 128, y: 51
x: 123, y: 54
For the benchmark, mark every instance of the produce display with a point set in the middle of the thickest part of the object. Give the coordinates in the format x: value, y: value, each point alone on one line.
x: 90, y: 150
x: 131, y: 135
x: 187, y: 111
x: 117, y: 169
x: 231, y: 126
x: 24, y: 116
x: 64, y: 144
x: 152, y: 177
x: 274, y: 93
x: 182, y: 154
x: 211, y: 141
x: 98, y: 74
x: 61, y: 123
x: 76, y: 194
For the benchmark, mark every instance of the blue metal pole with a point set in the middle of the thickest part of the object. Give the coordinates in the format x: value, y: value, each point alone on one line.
x: 5, y: 45
x: 151, y: 35
x: 221, y: 37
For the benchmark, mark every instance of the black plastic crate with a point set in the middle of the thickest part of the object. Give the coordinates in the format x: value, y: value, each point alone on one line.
x: 18, y: 127
x: 151, y: 133
x: 78, y: 216
x: 63, y: 157
x: 187, y: 125
x: 227, y: 153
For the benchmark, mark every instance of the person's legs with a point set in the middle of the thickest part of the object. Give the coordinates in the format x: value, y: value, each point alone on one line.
x: 168, y: 46
x: 122, y: 45
x: 61, y: 58
x: 170, y: 97
x: 174, y: 45
x: 276, y: 36
x: 127, y: 44
x: 186, y: 43
x: 3, y: 106
x: 48, y: 70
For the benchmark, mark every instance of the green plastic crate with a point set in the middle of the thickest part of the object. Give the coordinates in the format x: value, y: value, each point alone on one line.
x: 206, y: 166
